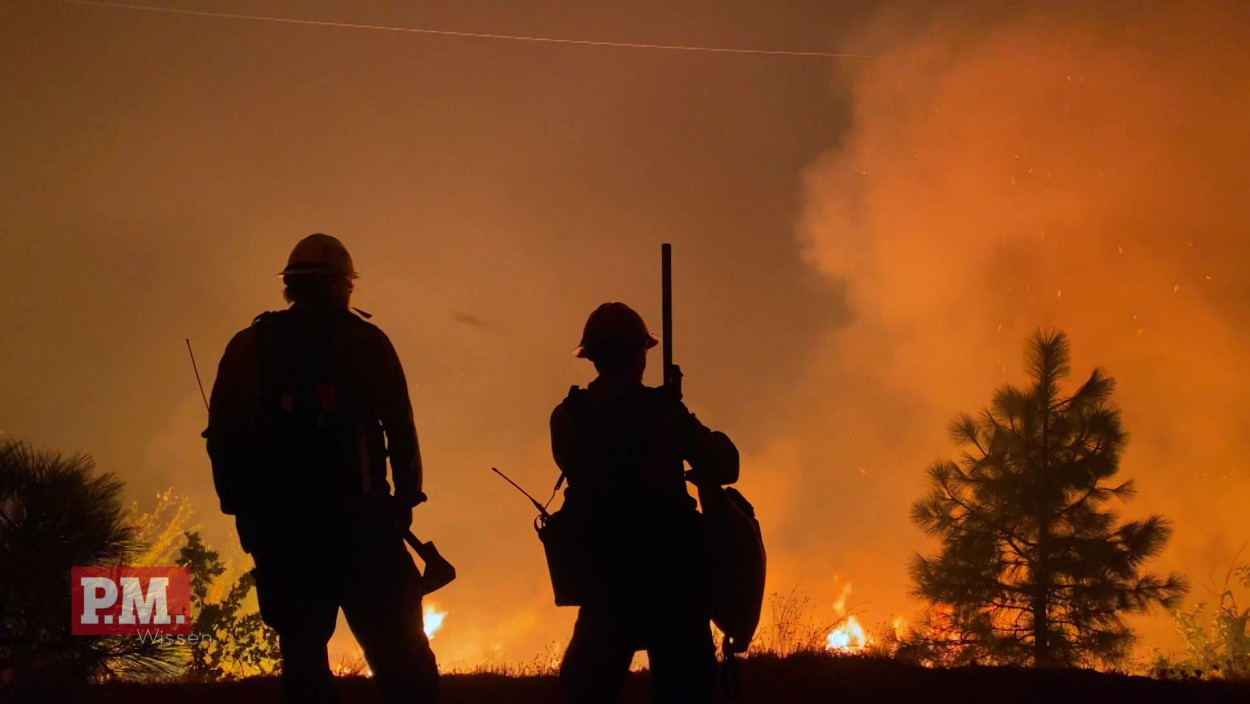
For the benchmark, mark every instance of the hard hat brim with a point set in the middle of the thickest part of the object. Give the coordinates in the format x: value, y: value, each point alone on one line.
x: 652, y: 340
x: 305, y: 270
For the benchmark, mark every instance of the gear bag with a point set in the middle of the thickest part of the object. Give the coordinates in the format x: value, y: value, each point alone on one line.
x: 735, y: 548
x: 568, y: 559
x: 571, y: 563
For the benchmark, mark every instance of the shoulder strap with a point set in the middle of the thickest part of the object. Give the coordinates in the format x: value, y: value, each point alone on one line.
x: 264, y: 324
x: 577, y: 398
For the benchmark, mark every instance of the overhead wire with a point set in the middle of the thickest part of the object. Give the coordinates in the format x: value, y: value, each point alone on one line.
x: 468, y: 35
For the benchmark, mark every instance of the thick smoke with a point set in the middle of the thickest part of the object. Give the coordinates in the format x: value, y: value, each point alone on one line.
x: 1060, y: 167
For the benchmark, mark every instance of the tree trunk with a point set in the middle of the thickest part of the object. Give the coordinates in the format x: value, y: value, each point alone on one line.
x: 1041, y: 610
x: 1041, y: 593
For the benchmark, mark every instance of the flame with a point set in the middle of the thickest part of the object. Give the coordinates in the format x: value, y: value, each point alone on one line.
x: 352, y: 666
x: 849, y: 637
x: 433, y: 620
x: 839, y: 604
x: 355, y: 665
x: 899, y: 625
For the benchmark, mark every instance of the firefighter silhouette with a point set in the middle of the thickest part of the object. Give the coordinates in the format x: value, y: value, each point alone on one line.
x: 622, y: 447
x: 307, y: 405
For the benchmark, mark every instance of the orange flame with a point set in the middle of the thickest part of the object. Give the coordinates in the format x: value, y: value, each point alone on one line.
x: 433, y: 620
x: 849, y: 637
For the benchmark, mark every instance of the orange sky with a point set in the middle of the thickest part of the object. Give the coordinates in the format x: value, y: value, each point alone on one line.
x: 862, y: 246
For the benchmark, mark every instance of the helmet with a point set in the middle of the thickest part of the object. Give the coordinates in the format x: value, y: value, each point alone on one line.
x: 614, y: 328
x: 319, y: 254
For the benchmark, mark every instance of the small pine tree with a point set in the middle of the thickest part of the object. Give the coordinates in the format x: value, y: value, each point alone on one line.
x: 1035, y: 566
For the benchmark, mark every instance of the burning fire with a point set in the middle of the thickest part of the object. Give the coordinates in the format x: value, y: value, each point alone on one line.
x: 352, y: 666
x: 849, y: 637
x: 433, y: 620
x: 355, y: 665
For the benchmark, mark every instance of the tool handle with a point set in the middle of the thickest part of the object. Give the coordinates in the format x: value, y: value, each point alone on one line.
x: 672, y: 372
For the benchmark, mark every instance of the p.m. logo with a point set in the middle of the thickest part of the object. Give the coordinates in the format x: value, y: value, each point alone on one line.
x: 127, y: 601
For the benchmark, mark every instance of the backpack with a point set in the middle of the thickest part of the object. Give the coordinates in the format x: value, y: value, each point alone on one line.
x: 316, y: 446
x: 739, y: 565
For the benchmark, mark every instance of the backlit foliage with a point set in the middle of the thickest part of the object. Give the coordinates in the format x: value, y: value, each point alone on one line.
x: 57, y: 513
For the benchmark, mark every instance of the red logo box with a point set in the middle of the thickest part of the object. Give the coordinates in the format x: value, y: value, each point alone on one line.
x: 131, y: 601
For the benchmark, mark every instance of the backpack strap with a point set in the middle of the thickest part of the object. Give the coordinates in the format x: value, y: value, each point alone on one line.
x: 577, y: 398
x: 263, y: 325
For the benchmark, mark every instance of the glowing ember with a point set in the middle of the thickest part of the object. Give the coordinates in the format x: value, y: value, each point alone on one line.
x: 433, y: 620
x: 848, y: 637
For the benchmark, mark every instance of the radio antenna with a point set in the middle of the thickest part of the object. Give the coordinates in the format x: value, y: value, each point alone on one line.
x: 541, y: 509
x: 197, y: 374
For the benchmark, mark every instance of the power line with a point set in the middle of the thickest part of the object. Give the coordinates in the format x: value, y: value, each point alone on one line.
x: 469, y: 35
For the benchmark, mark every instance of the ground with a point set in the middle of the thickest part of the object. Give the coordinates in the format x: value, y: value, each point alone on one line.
x: 795, y: 680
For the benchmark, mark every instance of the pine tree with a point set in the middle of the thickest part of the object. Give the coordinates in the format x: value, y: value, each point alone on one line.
x: 57, y: 513
x: 1035, y: 564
